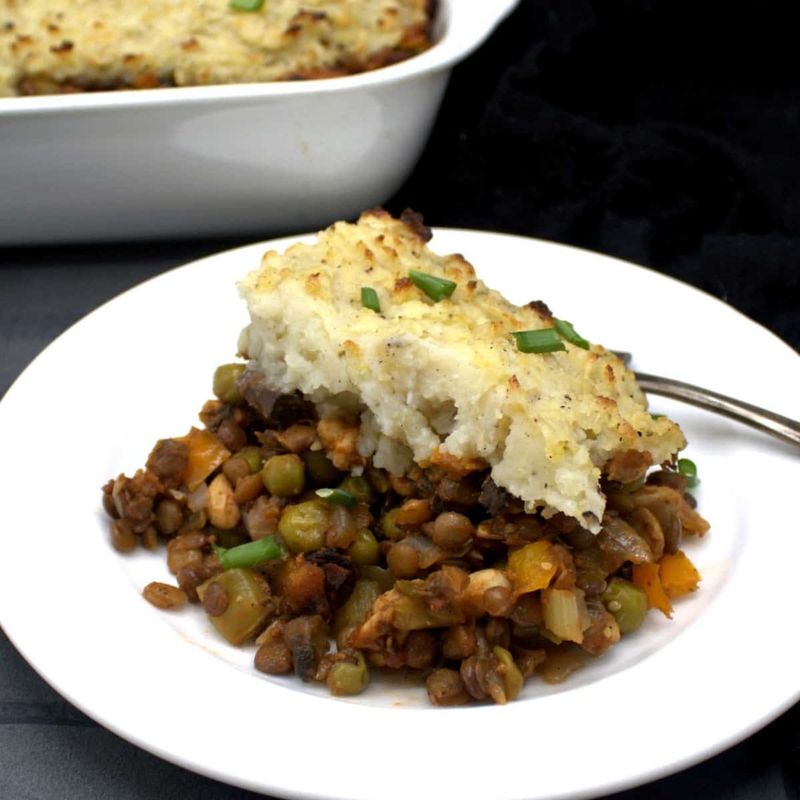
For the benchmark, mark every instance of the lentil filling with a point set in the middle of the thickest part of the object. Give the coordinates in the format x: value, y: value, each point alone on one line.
x: 293, y: 543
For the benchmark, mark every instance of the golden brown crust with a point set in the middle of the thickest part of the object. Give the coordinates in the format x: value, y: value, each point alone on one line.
x: 417, y: 224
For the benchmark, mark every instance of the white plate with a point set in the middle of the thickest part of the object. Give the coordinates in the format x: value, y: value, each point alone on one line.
x: 673, y: 694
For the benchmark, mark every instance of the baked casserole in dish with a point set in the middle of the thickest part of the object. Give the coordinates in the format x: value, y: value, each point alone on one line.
x: 228, y: 159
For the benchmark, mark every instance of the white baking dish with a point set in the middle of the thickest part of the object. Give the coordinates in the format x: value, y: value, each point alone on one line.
x: 243, y: 159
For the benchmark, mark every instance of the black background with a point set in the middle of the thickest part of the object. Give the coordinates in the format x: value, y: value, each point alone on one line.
x: 660, y: 131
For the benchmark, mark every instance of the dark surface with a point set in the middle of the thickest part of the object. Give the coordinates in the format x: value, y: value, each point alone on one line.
x: 660, y: 131
x: 652, y: 131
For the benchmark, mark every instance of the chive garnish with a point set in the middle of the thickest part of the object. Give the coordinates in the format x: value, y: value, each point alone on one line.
x: 369, y: 299
x: 248, y: 555
x: 570, y: 334
x: 436, y: 288
x: 545, y: 340
x: 688, y: 469
x: 246, y: 5
x: 338, y: 496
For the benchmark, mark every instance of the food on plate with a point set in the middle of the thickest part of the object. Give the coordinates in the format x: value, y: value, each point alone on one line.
x: 406, y: 463
x: 89, y: 45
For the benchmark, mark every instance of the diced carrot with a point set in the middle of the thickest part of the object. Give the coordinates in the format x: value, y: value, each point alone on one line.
x: 206, y: 453
x: 678, y: 575
x: 648, y: 579
x: 532, y: 567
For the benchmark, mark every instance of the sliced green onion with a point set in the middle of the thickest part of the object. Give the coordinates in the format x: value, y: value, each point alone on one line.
x: 688, y: 469
x: 545, y: 340
x: 369, y: 299
x: 569, y: 333
x: 436, y: 288
x: 248, y: 555
x: 246, y: 5
x: 338, y: 496
x: 657, y: 416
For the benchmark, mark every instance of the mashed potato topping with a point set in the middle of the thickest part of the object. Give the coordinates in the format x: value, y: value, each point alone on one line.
x: 444, y: 382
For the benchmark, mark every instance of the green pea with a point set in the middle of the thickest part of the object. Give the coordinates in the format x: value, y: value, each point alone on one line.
x: 252, y: 455
x: 224, y: 384
x: 357, y: 486
x: 688, y: 469
x: 302, y: 527
x: 347, y: 678
x: 389, y: 526
x: 627, y: 603
x: 320, y: 468
x: 365, y: 549
x: 284, y: 475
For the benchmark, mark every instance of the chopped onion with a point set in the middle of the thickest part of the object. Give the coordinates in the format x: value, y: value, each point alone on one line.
x: 565, y: 613
x: 427, y: 552
x: 197, y: 500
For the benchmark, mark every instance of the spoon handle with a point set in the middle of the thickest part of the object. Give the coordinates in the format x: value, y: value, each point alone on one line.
x: 779, y: 426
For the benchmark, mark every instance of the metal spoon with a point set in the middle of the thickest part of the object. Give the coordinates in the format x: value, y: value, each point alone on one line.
x: 768, y: 421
